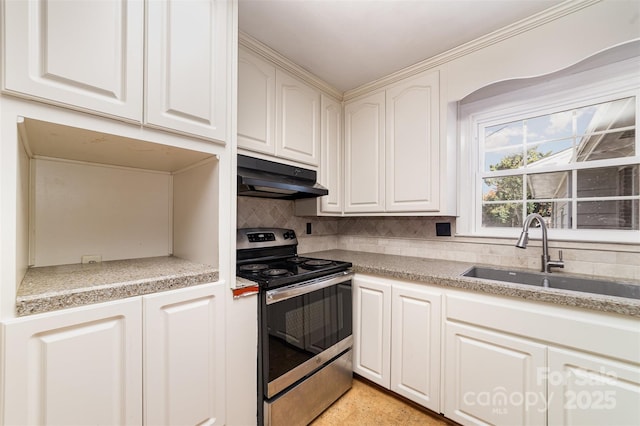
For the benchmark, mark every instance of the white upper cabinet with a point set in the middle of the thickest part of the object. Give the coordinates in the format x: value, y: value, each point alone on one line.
x: 392, y: 152
x: 412, y: 145
x: 81, y: 54
x: 331, y: 167
x: 331, y: 157
x: 297, y: 120
x: 364, y: 121
x: 89, y: 55
x: 256, y: 104
x: 186, y: 79
x: 278, y: 114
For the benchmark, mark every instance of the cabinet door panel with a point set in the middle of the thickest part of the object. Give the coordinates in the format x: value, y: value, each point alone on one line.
x: 493, y: 378
x: 186, y: 66
x: 297, y: 120
x: 331, y: 164
x: 364, y: 154
x: 371, y: 331
x: 184, y: 376
x: 415, y: 345
x: 590, y: 390
x: 83, y: 54
x: 256, y: 104
x: 412, y: 145
x: 75, y: 367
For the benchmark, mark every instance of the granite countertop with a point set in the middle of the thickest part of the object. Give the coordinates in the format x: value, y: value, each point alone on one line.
x: 50, y: 288
x: 448, y: 274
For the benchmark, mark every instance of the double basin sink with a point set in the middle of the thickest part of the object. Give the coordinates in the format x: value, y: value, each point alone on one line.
x: 556, y: 281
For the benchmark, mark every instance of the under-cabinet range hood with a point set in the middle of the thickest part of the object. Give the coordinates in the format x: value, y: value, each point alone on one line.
x: 268, y: 179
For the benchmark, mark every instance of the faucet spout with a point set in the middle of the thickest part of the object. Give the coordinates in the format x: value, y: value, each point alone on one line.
x: 547, y: 263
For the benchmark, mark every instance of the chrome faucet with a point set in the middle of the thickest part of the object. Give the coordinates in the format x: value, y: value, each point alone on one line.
x: 547, y: 263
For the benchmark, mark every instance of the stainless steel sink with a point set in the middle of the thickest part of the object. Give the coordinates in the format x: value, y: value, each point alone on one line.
x: 557, y: 281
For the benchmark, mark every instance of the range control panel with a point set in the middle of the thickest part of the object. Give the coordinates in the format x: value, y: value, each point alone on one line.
x: 261, y: 237
x: 265, y: 237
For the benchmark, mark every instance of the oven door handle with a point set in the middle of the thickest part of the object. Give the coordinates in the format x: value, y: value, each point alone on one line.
x: 284, y: 293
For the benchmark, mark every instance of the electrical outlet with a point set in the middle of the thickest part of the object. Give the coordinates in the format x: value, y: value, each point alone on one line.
x: 91, y: 258
x: 308, y: 228
x: 443, y: 229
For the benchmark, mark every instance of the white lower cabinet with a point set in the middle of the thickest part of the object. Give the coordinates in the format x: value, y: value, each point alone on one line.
x: 415, y: 344
x: 372, y: 328
x: 585, y: 389
x: 482, y: 359
x: 78, y: 366
x: 85, y: 365
x: 509, y: 361
x: 397, y: 337
x: 493, y: 378
x: 183, y: 357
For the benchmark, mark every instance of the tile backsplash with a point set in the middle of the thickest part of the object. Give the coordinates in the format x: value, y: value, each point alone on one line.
x: 416, y: 236
x: 396, y: 227
x: 264, y: 212
x: 607, y: 260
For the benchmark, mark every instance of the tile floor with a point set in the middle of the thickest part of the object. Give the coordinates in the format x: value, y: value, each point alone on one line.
x: 365, y: 404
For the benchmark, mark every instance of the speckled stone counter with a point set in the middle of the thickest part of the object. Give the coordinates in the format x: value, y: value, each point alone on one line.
x: 448, y: 274
x: 51, y: 288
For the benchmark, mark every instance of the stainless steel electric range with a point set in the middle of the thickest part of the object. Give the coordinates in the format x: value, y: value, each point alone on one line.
x: 304, y: 326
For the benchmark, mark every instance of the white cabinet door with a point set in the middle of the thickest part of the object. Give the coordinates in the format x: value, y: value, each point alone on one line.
x: 184, y: 373
x: 372, y: 329
x: 256, y: 104
x: 364, y: 154
x: 493, y: 378
x: 77, y: 366
x: 415, y: 344
x: 78, y: 53
x: 331, y: 154
x: 585, y: 389
x: 297, y: 120
x: 412, y: 145
x: 186, y: 81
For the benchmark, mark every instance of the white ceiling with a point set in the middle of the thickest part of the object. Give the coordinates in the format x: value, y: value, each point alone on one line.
x: 348, y: 43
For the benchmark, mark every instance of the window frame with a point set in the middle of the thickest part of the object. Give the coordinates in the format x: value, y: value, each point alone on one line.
x: 602, y: 84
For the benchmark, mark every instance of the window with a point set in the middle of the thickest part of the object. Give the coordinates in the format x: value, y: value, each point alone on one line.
x: 573, y: 159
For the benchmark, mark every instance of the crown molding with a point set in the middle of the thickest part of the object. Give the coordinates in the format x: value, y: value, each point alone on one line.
x: 264, y: 51
x: 522, y: 26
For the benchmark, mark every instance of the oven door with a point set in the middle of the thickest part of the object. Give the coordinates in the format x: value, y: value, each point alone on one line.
x: 304, y: 326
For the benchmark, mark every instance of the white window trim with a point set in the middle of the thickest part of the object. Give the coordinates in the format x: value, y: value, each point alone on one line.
x: 601, y: 84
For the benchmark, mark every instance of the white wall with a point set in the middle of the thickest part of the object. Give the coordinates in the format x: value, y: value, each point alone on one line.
x: 88, y: 209
x: 195, y: 228
x: 546, y: 48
